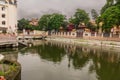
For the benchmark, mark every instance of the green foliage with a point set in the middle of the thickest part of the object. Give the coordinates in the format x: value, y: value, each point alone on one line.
x: 110, y: 14
x: 23, y: 24
x: 51, y: 21
x: 2, y: 73
x: 44, y: 21
x: 73, y: 20
x: 56, y: 20
x: 111, y: 17
x: 94, y: 14
x: 108, y: 4
x: 91, y: 26
x: 12, y: 67
x: 80, y: 16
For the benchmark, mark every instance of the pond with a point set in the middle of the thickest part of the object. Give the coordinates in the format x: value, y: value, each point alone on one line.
x: 57, y: 61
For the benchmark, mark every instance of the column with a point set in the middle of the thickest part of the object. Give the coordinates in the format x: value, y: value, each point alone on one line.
x: 110, y: 35
x: 95, y: 34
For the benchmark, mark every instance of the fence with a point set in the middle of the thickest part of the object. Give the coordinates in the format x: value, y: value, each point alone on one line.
x: 88, y: 35
x: 103, y: 36
x: 64, y: 34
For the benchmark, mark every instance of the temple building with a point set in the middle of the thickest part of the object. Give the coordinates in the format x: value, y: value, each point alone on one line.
x: 34, y: 22
x: 8, y: 16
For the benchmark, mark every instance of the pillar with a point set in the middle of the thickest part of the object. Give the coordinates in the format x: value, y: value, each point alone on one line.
x: 110, y: 35
x: 102, y: 35
x: 95, y: 34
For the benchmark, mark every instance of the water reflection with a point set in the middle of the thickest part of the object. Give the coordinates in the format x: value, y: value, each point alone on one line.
x: 105, y: 64
x: 68, y: 62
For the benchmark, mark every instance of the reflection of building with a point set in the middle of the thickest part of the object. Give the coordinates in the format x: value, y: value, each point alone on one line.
x: 8, y: 15
x: 34, y: 22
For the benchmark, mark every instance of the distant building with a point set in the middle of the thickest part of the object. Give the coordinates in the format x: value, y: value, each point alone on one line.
x: 8, y: 16
x: 93, y: 22
x: 34, y: 22
x: 70, y: 27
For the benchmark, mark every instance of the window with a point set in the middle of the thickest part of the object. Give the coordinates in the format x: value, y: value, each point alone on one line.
x: 3, y: 15
x: 3, y: 8
x: 3, y: 22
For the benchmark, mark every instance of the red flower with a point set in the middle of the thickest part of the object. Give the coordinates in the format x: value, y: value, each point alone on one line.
x: 2, y: 78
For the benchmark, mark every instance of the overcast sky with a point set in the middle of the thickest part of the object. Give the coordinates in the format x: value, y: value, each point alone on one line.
x: 36, y: 8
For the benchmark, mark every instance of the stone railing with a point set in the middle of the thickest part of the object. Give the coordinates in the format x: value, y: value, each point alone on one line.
x: 8, y: 40
x: 103, y: 36
x: 88, y: 35
x: 64, y: 34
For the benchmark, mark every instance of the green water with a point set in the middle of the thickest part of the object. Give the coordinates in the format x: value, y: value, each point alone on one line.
x: 56, y: 61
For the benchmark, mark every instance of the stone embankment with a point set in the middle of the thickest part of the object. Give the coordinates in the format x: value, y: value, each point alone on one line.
x: 86, y: 42
x: 8, y: 40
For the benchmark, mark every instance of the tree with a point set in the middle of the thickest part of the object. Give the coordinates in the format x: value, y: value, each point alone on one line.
x: 108, y: 4
x: 57, y: 20
x: 51, y: 21
x: 94, y: 14
x: 111, y: 17
x: 44, y: 22
x: 80, y: 16
x: 73, y: 20
x: 23, y: 24
x: 91, y: 26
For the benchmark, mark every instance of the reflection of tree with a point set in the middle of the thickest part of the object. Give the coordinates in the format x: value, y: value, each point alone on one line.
x: 106, y: 65
x: 79, y: 59
x: 48, y: 52
x: 51, y: 53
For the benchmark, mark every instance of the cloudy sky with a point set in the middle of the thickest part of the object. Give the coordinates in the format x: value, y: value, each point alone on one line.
x: 36, y: 8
